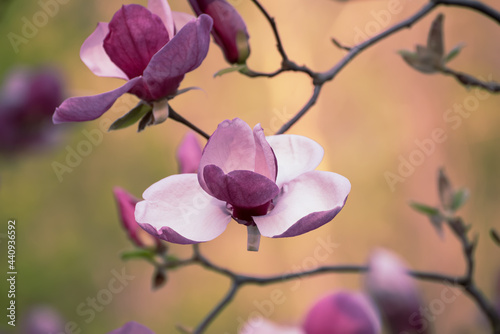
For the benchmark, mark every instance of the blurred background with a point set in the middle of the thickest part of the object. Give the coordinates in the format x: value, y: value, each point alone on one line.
x: 371, y: 118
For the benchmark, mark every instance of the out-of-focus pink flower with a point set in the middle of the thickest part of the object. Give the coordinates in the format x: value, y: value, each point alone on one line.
x: 143, y: 47
x: 395, y: 293
x: 126, y: 205
x: 269, y: 185
x: 229, y: 31
x: 28, y: 98
x: 132, y: 327
x: 189, y: 154
x: 42, y: 320
x: 342, y: 312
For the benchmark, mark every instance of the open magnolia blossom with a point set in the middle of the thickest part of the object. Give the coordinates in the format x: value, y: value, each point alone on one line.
x: 143, y: 47
x: 268, y: 184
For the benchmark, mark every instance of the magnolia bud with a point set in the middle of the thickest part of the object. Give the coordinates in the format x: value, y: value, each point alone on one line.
x: 229, y: 29
x: 189, y: 154
x: 342, y: 312
x: 395, y: 293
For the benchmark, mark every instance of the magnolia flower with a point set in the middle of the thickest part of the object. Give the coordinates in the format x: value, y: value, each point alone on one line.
x: 269, y: 185
x: 343, y: 312
x: 143, y: 47
x: 189, y: 154
x: 28, y: 98
x: 395, y: 293
x: 229, y: 31
x: 132, y: 328
x: 42, y: 320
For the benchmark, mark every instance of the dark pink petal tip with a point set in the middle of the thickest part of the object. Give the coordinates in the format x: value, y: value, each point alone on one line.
x: 167, y: 234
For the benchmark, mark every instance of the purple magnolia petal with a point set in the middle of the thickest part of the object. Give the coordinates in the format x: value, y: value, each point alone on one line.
x: 176, y: 209
x: 93, y: 55
x: 240, y: 188
x: 135, y: 35
x: 189, y: 154
x: 132, y: 327
x: 185, y: 52
x: 342, y: 312
x: 87, y: 108
x: 295, y: 155
x: 265, y: 160
x: 231, y: 147
x: 306, y: 203
x: 162, y: 9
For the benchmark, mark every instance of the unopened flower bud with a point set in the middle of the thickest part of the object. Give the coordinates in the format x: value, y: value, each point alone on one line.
x: 189, y: 154
x: 229, y: 29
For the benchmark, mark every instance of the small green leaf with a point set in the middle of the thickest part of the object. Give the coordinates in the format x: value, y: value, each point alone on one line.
x: 230, y: 69
x: 147, y: 120
x: 445, y: 189
x: 184, y: 90
x: 146, y: 254
x: 131, y: 117
x: 459, y: 198
x: 425, y: 209
x: 453, y: 53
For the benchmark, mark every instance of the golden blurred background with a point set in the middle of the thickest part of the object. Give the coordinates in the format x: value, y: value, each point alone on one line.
x: 371, y: 116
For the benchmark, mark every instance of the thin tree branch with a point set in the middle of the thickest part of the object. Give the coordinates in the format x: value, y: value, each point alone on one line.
x: 176, y: 117
x: 472, y: 4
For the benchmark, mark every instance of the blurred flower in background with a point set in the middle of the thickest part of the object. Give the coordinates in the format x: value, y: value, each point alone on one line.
x: 395, y: 293
x: 28, y: 98
x: 132, y: 328
x: 345, y: 312
x: 189, y: 154
x: 42, y: 320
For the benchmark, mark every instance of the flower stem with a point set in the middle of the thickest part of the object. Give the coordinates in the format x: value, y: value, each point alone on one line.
x: 253, y: 240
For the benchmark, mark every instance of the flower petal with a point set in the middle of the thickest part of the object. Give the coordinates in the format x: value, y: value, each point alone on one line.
x: 265, y: 160
x: 182, y: 54
x: 230, y: 147
x: 135, y: 35
x: 240, y: 188
x: 126, y: 205
x: 93, y: 55
x: 295, y: 155
x: 162, y: 9
x: 176, y: 209
x: 181, y: 19
x: 87, y: 108
x: 132, y: 327
x: 306, y: 203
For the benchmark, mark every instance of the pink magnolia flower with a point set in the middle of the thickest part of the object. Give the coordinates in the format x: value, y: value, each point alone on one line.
x: 28, y: 98
x: 189, y: 154
x: 229, y: 31
x: 269, y: 185
x: 395, y: 293
x: 342, y: 312
x: 143, y: 47
x: 132, y: 327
